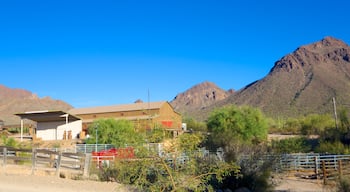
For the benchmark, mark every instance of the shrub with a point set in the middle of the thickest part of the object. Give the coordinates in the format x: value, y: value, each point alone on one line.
x: 343, y: 185
x: 335, y: 147
x: 291, y: 145
x: 9, y: 142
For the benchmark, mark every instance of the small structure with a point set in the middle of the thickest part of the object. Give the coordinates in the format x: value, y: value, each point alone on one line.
x: 53, y: 125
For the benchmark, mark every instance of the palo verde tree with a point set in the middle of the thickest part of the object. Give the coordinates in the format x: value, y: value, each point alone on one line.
x: 120, y: 133
x: 233, y: 124
x: 242, y: 132
x: 315, y: 124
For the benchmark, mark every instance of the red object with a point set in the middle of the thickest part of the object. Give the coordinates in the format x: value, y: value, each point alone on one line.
x: 113, y: 153
x: 167, y: 123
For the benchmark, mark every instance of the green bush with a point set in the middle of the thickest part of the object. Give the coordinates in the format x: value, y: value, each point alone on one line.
x: 335, y: 147
x: 291, y: 145
x: 9, y: 141
x: 315, y: 124
x: 343, y: 185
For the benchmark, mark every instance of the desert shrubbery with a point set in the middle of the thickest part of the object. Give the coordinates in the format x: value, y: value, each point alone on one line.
x: 343, y: 184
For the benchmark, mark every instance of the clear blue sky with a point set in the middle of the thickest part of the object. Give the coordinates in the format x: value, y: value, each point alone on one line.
x: 92, y: 53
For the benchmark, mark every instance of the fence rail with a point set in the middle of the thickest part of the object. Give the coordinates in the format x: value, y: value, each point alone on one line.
x: 316, y: 166
x: 89, y: 148
x: 43, y: 159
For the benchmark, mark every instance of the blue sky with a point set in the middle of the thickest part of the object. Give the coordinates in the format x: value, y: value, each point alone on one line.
x: 92, y: 53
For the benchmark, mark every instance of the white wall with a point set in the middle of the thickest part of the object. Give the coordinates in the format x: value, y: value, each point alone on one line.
x: 48, y: 130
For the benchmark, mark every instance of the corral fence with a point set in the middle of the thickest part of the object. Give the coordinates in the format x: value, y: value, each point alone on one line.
x: 316, y: 166
x: 43, y: 160
x: 89, y: 148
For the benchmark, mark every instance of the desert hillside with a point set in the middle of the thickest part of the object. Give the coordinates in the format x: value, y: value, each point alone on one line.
x: 199, y: 97
x: 302, y: 82
x: 14, y: 101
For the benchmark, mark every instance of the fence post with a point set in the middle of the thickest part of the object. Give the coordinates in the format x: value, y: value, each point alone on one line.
x: 33, y: 160
x: 58, y: 163
x: 340, y: 171
x: 324, y: 172
x: 316, y: 167
x: 4, y: 152
x: 86, y: 165
x: 5, y: 156
x: 52, y: 160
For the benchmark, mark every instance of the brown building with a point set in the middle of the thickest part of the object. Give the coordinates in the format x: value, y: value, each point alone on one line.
x: 145, y: 116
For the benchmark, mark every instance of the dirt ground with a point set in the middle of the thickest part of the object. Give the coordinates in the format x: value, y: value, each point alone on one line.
x: 19, y: 178
x: 28, y: 183
x: 302, y: 185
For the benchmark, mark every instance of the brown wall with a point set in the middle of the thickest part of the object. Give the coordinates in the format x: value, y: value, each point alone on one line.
x: 169, y: 118
x: 120, y: 114
x: 165, y: 117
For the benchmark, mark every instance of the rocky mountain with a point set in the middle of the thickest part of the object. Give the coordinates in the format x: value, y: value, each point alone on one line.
x: 199, y: 97
x: 302, y: 82
x: 18, y: 100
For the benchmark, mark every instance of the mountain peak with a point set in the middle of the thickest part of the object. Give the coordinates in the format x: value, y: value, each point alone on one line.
x: 331, y: 41
x: 302, y: 82
x: 328, y: 50
x: 325, y: 43
x: 199, y: 96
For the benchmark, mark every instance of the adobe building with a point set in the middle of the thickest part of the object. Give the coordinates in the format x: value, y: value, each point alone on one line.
x: 145, y: 116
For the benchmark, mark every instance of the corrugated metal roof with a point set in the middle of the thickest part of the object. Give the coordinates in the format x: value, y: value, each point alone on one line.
x: 117, y: 108
x: 141, y: 117
x: 47, y: 116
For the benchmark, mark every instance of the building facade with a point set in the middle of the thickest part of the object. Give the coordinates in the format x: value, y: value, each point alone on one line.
x: 53, y: 125
x: 145, y: 116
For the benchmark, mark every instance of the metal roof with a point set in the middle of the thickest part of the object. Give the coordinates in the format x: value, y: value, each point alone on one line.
x: 47, y: 116
x: 141, y: 117
x: 118, y: 108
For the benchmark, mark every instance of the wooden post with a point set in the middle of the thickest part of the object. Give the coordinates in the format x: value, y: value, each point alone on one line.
x: 87, y: 165
x: 324, y: 170
x: 21, y: 129
x: 4, y: 152
x: 33, y: 160
x: 52, y: 160
x: 340, y: 171
x: 58, y: 163
x: 4, y: 157
x: 316, y: 167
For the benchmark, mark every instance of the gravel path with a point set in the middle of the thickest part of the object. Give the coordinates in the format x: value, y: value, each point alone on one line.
x: 302, y: 185
x: 28, y: 183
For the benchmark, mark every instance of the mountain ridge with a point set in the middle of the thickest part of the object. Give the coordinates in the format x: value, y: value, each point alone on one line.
x: 301, y: 82
x: 198, y: 97
x: 14, y: 101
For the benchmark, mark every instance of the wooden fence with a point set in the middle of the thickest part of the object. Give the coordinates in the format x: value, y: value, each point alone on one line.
x: 44, y: 160
x: 316, y: 166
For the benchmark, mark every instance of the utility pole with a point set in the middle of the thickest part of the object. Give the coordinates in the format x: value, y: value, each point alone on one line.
x: 335, y: 113
x: 96, y: 127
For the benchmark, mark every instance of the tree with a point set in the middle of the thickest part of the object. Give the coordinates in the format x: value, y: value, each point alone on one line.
x: 316, y: 123
x: 120, y: 133
x: 243, y: 124
x: 242, y: 132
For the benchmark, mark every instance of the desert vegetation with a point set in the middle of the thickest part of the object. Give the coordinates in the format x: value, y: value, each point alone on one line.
x: 230, y: 150
x: 240, y: 133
